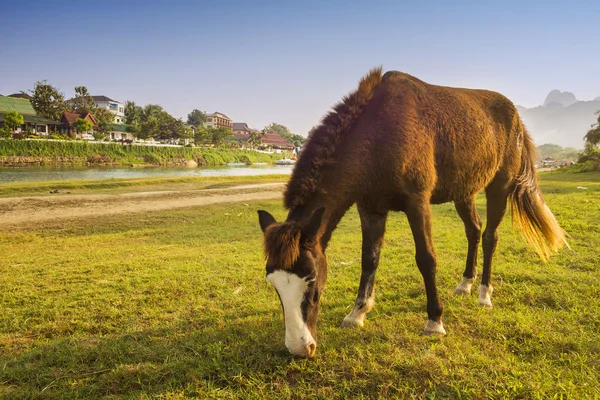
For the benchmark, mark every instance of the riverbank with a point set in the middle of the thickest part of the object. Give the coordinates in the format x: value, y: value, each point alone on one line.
x: 19, y: 153
x: 130, y: 185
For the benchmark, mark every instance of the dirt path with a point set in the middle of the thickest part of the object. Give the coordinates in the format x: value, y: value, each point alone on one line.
x: 31, y: 209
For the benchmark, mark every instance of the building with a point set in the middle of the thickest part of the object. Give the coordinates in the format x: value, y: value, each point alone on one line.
x: 68, y: 120
x: 218, y: 120
x: 277, y: 143
x: 20, y: 96
x: 109, y: 104
x: 119, y: 132
x: 241, y: 128
x: 38, y: 125
x: 113, y: 106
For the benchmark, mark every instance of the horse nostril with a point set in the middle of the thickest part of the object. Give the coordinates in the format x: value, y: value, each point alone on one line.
x: 311, y: 349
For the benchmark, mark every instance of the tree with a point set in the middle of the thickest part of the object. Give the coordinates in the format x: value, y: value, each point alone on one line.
x: 150, y: 110
x: 83, y: 101
x: 82, y: 125
x: 100, y: 135
x: 13, y: 120
x: 219, y: 135
x: 196, y: 118
x: 203, y: 136
x: 133, y: 113
x: 591, y: 153
x: 104, y: 118
x: 255, y: 138
x: 135, y: 130
x: 47, y: 101
x: 593, y: 135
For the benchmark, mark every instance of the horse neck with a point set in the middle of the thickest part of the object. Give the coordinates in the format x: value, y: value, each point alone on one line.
x: 335, y: 198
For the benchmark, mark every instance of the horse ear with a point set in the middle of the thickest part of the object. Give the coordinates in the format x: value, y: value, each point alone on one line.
x: 311, y: 229
x: 265, y: 219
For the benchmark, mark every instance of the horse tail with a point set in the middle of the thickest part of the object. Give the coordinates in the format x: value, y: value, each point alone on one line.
x: 528, y: 210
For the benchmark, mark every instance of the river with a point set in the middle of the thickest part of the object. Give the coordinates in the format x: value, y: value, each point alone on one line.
x: 32, y: 174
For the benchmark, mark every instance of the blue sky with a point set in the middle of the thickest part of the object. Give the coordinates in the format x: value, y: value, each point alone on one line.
x: 288, y: 62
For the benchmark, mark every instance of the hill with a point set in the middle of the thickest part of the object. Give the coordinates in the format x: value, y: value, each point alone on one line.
x: 562, y: 119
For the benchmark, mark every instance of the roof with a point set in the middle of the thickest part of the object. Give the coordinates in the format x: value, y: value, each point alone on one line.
x: 70, y: 117
x: 219, y: 113
x: 20, y: 96
x: 22, y: 106
x: 34, y: 119
x: 98, y: 99
x: 240, y: 126
x: 118, y: 127
x: 274, y: 139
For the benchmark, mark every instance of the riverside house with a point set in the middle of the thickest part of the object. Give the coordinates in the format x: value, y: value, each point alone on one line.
x: 38, y: 125
x: 119, y: 132
x: 114, y: 106
x: 68, y: 120
x: 217, y: 120
x: 277, y: 143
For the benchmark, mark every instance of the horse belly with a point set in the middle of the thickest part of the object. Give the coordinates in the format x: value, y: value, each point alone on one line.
x: 461, y: 177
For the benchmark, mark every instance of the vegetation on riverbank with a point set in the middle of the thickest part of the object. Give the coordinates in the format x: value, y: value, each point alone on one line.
x: 174, y: 304
x: 45, y: 152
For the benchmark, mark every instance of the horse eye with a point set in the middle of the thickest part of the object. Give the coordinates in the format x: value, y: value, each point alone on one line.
x: 310, y: 279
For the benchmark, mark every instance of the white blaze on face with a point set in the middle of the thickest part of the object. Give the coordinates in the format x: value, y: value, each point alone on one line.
x: 291, y: 291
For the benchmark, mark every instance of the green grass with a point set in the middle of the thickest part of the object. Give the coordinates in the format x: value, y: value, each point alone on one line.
x: 120, y: 185
x: 174, y: 305
x: 80, y: 152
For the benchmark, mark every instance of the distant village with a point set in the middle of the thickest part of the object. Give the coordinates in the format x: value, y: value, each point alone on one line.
x: 69, y: 126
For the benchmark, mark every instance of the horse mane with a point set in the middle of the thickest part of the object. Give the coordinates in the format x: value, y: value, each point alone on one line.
x: 282, y: 244
x: 323, y: 140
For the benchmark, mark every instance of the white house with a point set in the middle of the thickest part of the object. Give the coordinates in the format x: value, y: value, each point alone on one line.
x: 113, y: 106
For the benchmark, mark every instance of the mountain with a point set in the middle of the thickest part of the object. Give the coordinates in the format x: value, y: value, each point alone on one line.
x: 562, y: 119
x: 560, y: 98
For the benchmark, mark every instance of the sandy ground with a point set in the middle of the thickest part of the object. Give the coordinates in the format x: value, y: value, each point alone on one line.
x: 16, y: 211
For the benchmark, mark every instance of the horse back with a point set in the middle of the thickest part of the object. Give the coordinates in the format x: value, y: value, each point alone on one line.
x: 449, y: 141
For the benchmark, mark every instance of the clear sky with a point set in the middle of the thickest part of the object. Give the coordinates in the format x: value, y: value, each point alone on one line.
x: 289, y: 61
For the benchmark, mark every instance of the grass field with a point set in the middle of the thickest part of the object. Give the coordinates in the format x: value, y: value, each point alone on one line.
x: 175, y: 305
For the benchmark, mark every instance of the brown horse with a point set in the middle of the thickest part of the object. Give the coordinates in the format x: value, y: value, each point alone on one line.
x: 400, y: 144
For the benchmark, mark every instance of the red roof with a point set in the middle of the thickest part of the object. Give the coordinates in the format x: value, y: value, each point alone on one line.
x: 274, y: 139
x: 70, y: 118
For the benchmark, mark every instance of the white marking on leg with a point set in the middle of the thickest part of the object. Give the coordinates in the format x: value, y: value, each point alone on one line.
x: 356, y: 318
x: 485, y: 295
x: 434, y: 328
x: 291, y: 289
x: 465, y: 286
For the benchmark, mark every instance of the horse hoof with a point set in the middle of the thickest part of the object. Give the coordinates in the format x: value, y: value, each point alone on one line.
x: 434, y: 328
x: 465, y: 286
x: 350, y: 322
x: 485, y: 296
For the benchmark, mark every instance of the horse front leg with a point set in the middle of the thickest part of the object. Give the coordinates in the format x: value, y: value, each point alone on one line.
x: 373, y: 228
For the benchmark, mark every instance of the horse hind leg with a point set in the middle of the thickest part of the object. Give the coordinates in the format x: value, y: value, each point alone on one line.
x: 497, y: 196
x: 468, y: 213
x: 373, y: 228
